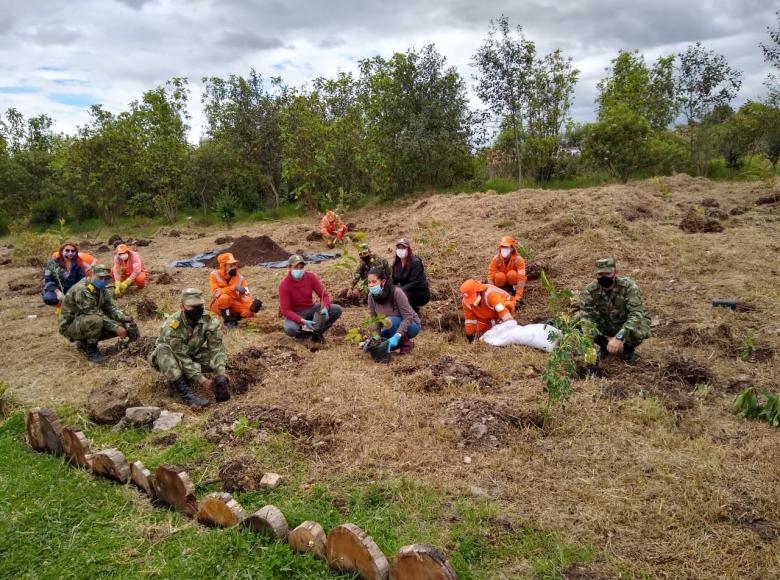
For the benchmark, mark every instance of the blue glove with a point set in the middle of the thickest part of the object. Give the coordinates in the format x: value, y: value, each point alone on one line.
x: 308, y: 324
x: 324, y: 312
x: 393, y: 341
x: 366, y: 345
x: 242, y: 290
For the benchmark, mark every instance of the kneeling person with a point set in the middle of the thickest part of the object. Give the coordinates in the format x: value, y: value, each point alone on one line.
x: 387, y: 299
x: 230, y: 294
x: 296, y: 304
x: 89, y: 314
x: 614, y: 304
x: 190, y: 342
x: 484, y: 306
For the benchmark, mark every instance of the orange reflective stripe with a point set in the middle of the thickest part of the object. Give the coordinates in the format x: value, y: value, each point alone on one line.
x: 472, y: 322
x: 217, y: 277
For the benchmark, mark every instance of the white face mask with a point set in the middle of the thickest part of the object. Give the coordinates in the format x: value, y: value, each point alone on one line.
x: 506, y: 252
x: 124, y: 257
x: 402, y: 253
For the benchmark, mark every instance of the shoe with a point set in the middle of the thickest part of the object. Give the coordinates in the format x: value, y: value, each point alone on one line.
x: 182, y: 386
x: 93, y: 354
x: 318, y: 338
x: 228, y: 319
x: 82, y: 346
x: 628, y: 354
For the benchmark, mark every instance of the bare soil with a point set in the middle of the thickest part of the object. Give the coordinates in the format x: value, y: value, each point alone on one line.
x: 251, y: 251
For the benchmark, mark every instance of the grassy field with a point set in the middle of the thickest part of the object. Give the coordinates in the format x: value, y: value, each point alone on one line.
x: 645, y: 471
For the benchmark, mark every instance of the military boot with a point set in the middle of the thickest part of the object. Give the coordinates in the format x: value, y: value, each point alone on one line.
x: 93, y: 354
x: 629, y: 354
x: 82, y: 347
x: 182, y: 386
x: 228, y: 319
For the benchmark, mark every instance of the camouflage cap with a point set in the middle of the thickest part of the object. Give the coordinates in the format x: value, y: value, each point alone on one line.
x: 403, y: 242
x: 605, y: 266
x: 192, y: 297
x: 295, y: 259
x: 364, y: 250
x: 101, y: 270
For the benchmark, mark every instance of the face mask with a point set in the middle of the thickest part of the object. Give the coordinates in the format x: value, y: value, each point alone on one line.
x: 124, y: 257
x: 366, y: 259
x: 195, y: 314
x: 70, y: 254
x: 231, y: 273
x: 375, y: 290
x: 99, y: 283
x: 506, y: 252
x: 402, y: 253
x: 606, y: 281
x: 296, y: 274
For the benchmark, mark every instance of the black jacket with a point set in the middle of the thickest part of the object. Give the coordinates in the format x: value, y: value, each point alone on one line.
x: 412, y: 278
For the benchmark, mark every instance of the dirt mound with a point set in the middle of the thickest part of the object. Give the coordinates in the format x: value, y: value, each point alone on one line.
x: 441, y: 317
x: 146, y: 309
x: 766, y: 200
x: 347, y: 301
x: 165, y: 440
x: 107, y: 403
x: 129, y: 353
x: 686, y: 370
x: 165, y: 279
x: 716, y: 213
x: 247, y: 368
x: 224, y: 240
x: 694, y: 222
x: 709, y: 202
x: 251, y: 251
x: 634, y: 213
x: 313, y: 236
x: 268, y: 419
x: 488, y: 424
x: 738, y: 210
x: 241, y: 473
x: 534, y: 269
x: 448, y: 371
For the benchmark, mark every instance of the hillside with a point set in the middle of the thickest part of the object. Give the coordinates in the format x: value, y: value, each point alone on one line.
x: 646, y: 463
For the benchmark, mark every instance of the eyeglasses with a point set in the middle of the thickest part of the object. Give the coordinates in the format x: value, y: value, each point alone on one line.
x: 69, y: 252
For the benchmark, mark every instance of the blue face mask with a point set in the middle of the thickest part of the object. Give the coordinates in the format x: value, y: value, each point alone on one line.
x: 375, y: 290
x: 98, y: 283
x: 296, y: 274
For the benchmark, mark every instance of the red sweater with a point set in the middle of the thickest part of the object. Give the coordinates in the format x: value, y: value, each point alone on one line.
x: 295, y: 296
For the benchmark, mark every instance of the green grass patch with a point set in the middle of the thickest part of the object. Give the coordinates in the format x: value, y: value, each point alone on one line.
x: 60, y: 521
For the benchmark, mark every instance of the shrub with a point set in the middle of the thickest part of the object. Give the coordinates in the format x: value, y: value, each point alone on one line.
x: 142, y: 205
x: 501, y: 185
x: 34, y: 249
x: 47, y: 212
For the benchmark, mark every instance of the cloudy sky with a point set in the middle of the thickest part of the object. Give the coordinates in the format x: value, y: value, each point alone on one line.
x: 60, y: 56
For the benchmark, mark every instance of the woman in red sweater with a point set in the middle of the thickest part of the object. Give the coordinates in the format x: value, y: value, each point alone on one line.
x: 298, y: 307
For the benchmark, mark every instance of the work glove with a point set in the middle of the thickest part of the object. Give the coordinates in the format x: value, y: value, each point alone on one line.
x: 393, y: 341
x: 365, y: 344
x: 242, y: 290
x: 221, y: 392
x: 324, y: 312
x: 118, y: 289
x: 308, y: 324
x: 133, y: 333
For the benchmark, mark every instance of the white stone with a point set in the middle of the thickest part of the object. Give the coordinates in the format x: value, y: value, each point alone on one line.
x: 467, y: 460
x: 270, y: 480
x: 166, y: 421
x: 142, y: 415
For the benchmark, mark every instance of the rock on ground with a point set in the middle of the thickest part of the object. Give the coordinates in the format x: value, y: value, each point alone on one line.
x: 167, y: 420
x: 107, y: 404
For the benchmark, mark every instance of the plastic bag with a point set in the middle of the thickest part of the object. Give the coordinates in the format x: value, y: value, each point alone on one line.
x: 534, y: 335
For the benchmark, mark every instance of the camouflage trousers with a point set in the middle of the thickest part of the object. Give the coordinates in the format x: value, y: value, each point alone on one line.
x: 634, y: 336
x: 162, y: 359
x: 90, y: 327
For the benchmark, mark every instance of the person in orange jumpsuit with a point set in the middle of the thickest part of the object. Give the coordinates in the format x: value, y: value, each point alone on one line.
x: 230, y: 296
x: 484, y: 306
x: 128, y: 270
x: 507, y: 270
x: 332, y: 228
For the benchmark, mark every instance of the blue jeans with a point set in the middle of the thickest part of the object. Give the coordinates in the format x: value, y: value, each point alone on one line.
x: 411, y: 331
x: 50, y: 298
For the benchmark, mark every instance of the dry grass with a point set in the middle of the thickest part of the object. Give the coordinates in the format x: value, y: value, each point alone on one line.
x: 658, y: 473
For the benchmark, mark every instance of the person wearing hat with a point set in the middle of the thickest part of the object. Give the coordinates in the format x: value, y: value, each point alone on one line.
x: 89, y: 314
x: 368, y: 260
x: 66, y: 267
x: 230, y: 295
x: 484, y: 306
x: 507, y: 269
x: 190, y: 343
x: 409, y: 274
x: 614, y: 304
x: 332, y: 228
x: 128, y: 269
x: 302, y: 316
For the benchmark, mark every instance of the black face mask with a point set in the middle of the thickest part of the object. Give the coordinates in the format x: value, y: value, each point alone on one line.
x: 231, y: 273
x: 366, y: 259
x: 606, y: 282
x: 194, y: 314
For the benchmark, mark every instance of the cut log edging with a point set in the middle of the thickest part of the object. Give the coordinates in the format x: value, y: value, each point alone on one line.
x: 346, y: 547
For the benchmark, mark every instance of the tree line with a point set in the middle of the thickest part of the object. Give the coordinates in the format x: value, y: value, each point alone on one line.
x: 400, y: 124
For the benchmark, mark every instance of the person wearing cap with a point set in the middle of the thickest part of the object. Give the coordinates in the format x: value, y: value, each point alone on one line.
x: 368, y: 260
x: 190, y: 343
x: 128, y: 269
x: 89, y: 314
x: 66, y: 267
x: 484, y: 306
x: 409, y: 274
x: 507, y: 269
x: 614, y: 304
x: 332, y: 228
x: 230, y: 295
x: 297, y: 306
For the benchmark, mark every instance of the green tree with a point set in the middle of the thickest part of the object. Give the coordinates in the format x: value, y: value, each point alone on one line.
x: 771, y: 49
x: 618, y: 142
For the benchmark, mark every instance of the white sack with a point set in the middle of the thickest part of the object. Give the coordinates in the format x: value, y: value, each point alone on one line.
x: 535, y: 335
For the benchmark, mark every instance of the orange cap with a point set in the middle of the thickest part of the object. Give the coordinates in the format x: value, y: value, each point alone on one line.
x: 470, y: 289
x: 122, y: 249
x: 508, y: 241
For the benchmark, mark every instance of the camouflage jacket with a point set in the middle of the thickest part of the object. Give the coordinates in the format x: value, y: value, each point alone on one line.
x: 83, y: 298
x: 619, y: 309
x: 187, y: 343
x: 375, y: 262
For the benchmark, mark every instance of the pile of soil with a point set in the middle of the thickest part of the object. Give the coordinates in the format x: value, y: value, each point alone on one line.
x: 738, y: 211
x: 146, y: 309
x: 241, y: 473
x: 164, y: 279
x: 251, y: 251
x: 448, y: 371
x: 314, y: 236
x: 248, y: 367
x: 534, y: 269
x: 766, y: 200
x: 694, y: 223
x: 347, y: 301
x: 24, y: 287
x: 131, y: 353
x: 709, y: 202
x: 224, y: 240
x: 269, y: 419
x: 635, y: 213
x: 487, y: 424
x: 716, y: 213
x: 687, y: 371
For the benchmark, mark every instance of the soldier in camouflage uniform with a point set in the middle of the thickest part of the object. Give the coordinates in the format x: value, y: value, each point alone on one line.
x: 368, y: 260
x: 614, y: 304
x: 190, y: 342
x: 89, y: 314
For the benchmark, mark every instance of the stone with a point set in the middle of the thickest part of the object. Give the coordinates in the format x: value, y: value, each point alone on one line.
x: 142, y: 415
x: 107, y: 404
x: 166, y: 421
x: 478, y: 431
x: 467, y: 460
x: 271, y: 480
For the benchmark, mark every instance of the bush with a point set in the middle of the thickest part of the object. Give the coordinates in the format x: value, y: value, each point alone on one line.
x: 47, y: 212
x: 501, y: 185
x: 5, y: 225
x: 142, y: 205
x: 33, y: 249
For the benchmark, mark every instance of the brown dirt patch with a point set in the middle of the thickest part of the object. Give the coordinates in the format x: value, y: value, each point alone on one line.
x: 248, y: 367
x: 269, y: 419
x: 709, y: 202
x: 241, y: 473
x: 488, y: 424
x: 742, y: 515
x: 695, y: 222
x: 25, y: 287
x: 534, y: 269
x: 313, y: 236
x: 251, y: 251
x: 738, y: 210
x: 146, y: 309
x: 165, y: 279
x: 441, y: 316
x: 224, y: 240
x: 716, y: 213
x: 108, y: 402
x: 345, y: 301
x: 687, y: 371
x: 165, y: 440
x: 766, y: 200
x: 634, y: 213
x: 131, y: 353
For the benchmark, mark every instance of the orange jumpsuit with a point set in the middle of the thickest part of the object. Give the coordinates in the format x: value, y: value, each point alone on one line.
x: 495, y: 306
x: 331, y: 226
x: 132, y: 268
x: 508, y: 274
x: 226, y: 293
